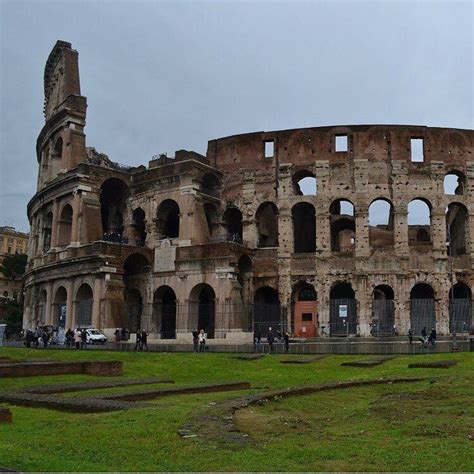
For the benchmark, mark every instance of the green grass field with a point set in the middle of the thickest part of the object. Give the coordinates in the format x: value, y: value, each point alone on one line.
x: 422, y: 426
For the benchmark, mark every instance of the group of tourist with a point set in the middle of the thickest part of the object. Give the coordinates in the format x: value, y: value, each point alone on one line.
x: 425, y: 339
x: 199, y: 340
x: 121, y: 335
x: 76, y: 338
x: 271, y: 338
x: 141, y: 342
x: 39, y: 337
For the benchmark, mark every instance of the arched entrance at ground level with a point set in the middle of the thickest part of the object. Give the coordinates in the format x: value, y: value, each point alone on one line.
x: 164, y: 312
x: 305, y: 311
x: 383, y: 311
x: 134, y: 304
x: 203, y: 309
x: 460, y: 309
x: 59, y: 313
x: 422, y: 308
x: 85, y: 299
x: 266, y: 310
x: 342, y: 310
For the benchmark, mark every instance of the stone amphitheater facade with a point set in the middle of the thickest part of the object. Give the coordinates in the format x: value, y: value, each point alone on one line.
x: 268, y: 229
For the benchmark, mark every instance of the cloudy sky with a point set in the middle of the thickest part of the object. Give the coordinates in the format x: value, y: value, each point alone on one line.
x: 161, y: 76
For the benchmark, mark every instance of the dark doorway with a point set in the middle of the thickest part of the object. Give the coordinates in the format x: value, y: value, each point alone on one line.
x: 134, y: 302
x: 383, y: 312
x: 207, y: 311
x: 422, y: 308
x: 266, y: 310
x: 342, y: 310
x: 168, y: 220
x: 233, y: 223
x: 267, y: 225
x: 85, y: 300
x: 164, y: 312
x: 460, y: 309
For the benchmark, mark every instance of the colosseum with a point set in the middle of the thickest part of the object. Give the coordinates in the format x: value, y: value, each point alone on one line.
x: 351, y: 230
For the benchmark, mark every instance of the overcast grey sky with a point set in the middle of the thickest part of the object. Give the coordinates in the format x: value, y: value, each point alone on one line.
x: 161, y: 76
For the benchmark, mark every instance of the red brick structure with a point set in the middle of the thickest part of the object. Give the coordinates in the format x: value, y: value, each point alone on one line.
x: 242, y: 239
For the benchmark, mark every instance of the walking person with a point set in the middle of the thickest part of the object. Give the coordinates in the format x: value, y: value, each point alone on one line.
x: 144, y: 340
x: 202, y: 340
x: 83, y: 339
x: 270, y: 339
x: 410, y: 336
x: 287, y: 341
x: 195, y: 340
x: 77, y: 338
x: 138, y: 341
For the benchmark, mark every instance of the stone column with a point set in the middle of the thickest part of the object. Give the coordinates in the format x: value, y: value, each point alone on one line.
x: 362, y: 248
x: 70, y: 316
x: 54, y: 226
x: 76, y: 205
x: 48, y: 313
x: 438, y: 229
x: 323, y: 231
x: 470, y: 236
x: 400, y: 213
x: 96, y: 303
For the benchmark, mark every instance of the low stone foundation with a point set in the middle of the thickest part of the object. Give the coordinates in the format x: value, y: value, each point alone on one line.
x: 31, y: 369
x: 5, y: 415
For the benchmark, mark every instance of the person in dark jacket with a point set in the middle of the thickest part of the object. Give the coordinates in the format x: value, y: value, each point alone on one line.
x: 144, y: 340
x: 410, y: 336
x: 83, y: 339
x: 138, y: 341
x: 432, y: 337
x: 270, y: 339
x: 286, y: 337
x: 195, y: 340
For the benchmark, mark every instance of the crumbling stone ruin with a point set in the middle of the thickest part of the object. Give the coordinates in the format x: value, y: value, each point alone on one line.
x: 328, y: 231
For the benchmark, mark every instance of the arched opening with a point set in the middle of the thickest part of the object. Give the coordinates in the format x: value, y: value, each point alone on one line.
x: 113, y: 207
x: 454, y: 183
x: 42, y: 307
x: 210, y: 185
x: 168, y: 220
x: 232, y: 218
x: 85, y: 300
x: 342, y: 310
x: 211, y: 218
x: 267, y: 225
x: 203, y: 309
x: 419, y: 222
x: 59, y: 312
x: 456, y: 229
x: 304, y: 183
x: 304, y: 227
x: 65, y: 226
x: 139, y: 227
x: 135, y: 264
x: 383, y: 311
x: 460, y: 309
x: 47, y: 228
x: 164, y: 312
x: 381, y: 223
x: 343, y: 227
x: 134, y: 304
x: 58, y: 148
x: 266, y: 310
x: 422, y: 308
x: 305, y: 310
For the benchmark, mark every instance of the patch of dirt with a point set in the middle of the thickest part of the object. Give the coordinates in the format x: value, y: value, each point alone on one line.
x: 438, y: 364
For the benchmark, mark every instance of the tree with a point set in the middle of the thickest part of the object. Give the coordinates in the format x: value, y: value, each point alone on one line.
x: 13, y: 266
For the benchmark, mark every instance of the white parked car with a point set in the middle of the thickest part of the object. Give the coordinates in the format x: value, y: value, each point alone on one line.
x: 94, y: 336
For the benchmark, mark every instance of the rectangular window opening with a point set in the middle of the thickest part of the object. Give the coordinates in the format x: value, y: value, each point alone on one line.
x: 307, y: 317
x: 416, y: 147
x: 341, y: 143
x: 269, y: 148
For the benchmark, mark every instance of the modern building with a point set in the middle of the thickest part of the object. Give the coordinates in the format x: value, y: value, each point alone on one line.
x: 11, y: 242
x: 327, y: 231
